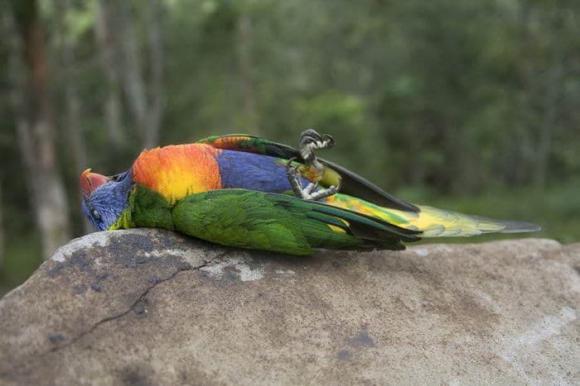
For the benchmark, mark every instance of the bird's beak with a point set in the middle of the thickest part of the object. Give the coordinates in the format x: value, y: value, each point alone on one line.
x: 90, y: 182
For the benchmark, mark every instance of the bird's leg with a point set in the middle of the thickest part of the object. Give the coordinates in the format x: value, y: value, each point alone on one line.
x: 294, y: 179
x: 311, y: 187
x: 323, y: 193
x: 311, y: 140
x: 309, y: 192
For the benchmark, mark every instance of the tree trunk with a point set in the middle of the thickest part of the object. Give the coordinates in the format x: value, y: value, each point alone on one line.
x: 246, y: 68
x: 154, y: 17
x: 553, y: 87
x: 105, y: 34
x: 73, y: 126
x: 521, y: 147
x: 35, y: 131
x: 132, y: 69
x: 144, y: 101
x: 2, y: 230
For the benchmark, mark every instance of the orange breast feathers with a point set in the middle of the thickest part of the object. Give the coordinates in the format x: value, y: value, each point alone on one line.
x: 179, y: 170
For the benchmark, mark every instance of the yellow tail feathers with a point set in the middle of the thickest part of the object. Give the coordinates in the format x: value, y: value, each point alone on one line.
x: 431, y: 221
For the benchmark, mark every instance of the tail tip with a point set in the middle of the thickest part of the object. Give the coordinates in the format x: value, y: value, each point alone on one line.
x: 520, y: 227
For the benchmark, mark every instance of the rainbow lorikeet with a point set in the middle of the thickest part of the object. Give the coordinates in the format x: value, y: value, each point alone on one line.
x: 248, y: 192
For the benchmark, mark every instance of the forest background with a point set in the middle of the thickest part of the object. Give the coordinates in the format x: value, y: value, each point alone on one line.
x: 467, y: 105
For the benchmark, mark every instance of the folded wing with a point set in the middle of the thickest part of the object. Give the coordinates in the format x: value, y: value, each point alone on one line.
x: 281, y: 223
x: 350, y: 182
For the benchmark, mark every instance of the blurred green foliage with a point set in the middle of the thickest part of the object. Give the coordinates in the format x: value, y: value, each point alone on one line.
x: 471, y: 106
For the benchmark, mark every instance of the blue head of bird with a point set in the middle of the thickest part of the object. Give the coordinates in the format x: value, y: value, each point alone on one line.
x: 104, y: 198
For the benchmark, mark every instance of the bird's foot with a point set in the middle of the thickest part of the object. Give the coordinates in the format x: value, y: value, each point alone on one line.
x: 311, y: 191
x: 311, y: 140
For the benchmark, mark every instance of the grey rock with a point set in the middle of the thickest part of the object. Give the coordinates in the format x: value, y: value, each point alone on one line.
x: 148, y: 307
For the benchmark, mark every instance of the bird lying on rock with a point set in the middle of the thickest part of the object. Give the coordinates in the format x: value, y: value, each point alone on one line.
x: 249, y: 192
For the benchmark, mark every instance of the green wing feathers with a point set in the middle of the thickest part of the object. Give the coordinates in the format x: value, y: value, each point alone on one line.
x: 281, y: 223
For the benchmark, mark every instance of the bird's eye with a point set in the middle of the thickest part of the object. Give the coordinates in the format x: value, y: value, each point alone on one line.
x: 116, y: 177
x: 96, y: 215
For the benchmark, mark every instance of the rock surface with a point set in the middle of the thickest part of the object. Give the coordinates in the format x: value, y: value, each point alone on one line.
x: 145, y: 307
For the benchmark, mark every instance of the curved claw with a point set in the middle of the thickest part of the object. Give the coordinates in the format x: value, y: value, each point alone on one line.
x: 323, y: 193
x: 311, y: 140
x: 328, y: 140
x: 311, y: 187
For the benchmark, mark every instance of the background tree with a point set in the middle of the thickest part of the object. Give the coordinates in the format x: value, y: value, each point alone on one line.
x: 106, y: 32
x: 36, y: 130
